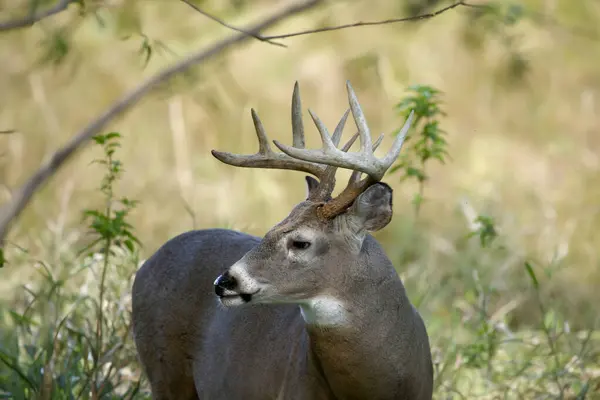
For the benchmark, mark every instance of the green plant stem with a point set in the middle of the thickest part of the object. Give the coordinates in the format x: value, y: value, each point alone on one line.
x: 112, y: 368
x: 551, y: 344
x: 106, y: 253
x: 421, y: 193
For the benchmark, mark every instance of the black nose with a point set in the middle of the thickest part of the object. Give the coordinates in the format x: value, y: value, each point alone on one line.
x: 224, y: 282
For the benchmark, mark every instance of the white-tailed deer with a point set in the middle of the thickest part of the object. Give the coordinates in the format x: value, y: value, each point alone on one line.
x: 314, y: 310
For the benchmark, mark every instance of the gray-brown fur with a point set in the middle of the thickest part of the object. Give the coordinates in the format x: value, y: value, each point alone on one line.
x: 187, y: 341
x: 314, y: 310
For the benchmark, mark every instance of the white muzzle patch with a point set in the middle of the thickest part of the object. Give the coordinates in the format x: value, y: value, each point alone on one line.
x: 245, y: 283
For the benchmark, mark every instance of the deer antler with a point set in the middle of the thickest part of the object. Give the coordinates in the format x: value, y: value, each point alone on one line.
x: 324, y: 162
x: 363, y: 161
x: 267, y: 158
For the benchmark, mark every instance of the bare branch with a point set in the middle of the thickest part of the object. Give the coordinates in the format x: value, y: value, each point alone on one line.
x: 36, y: 16
x: 6, y: 132
x: 225, y: 24
x: 371, y: 23
x: 23, y: 195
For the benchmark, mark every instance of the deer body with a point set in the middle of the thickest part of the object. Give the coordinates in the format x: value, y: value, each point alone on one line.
x: 313, y: 310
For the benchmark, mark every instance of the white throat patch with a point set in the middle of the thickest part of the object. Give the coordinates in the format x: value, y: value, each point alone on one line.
x: 324, y: 311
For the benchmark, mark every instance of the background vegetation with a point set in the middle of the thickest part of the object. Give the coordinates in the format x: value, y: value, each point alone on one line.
x: 498, y: 245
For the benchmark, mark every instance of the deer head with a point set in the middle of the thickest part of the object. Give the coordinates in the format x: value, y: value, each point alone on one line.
x: 316, y: 252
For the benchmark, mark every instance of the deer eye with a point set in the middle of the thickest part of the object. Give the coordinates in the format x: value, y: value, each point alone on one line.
x: 300, y: 244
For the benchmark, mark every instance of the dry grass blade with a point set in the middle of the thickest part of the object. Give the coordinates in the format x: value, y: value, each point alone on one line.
x: 359, y: 119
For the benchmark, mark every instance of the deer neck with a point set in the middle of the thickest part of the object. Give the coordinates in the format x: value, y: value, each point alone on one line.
x: 358, y: 343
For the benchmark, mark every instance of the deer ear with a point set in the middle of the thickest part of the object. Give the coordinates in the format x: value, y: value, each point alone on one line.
x: 372, y: 210
x: 311, y: 184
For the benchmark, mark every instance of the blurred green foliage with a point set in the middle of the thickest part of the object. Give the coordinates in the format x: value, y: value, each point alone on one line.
x: 428, y: 143
x: 68, y: 336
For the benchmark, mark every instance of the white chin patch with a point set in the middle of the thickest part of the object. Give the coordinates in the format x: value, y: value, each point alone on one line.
x: 324, y: 311
x: 232, y: 301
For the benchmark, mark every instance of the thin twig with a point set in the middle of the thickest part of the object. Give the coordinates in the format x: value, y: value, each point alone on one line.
x: 540, y: 18
x: 371, y: 23
x: 34, y: 17
x: 23, y: 195
x: 6, y: 132
x: 225, y: 24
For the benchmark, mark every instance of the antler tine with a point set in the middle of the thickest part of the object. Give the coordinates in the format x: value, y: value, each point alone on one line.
x: 266, y: 157
x: 349, y: 143
x: 327, y: 183
x: 355, y: 177
x: 263, y: 143
x: 391, y: 156
x: 359, y: 119
x: 378, y: 142
x: 394, y: 152
x: 297, y: 124
x: 328, y: 145
x: 355, y: 185
x: 339, y: 129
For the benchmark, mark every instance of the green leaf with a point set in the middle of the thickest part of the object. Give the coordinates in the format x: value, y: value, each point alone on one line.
x: 112, y: 135
x: 531, y: 274
x: 21, y: 319
x: 13, y: 364
x: 99, y: 139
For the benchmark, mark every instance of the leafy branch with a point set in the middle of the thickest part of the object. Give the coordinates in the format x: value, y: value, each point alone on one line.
x: 111, y: 228
x: 428, y: 143
x: 485, y: 230
x: 71, y: 338
x: 553, y: 328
